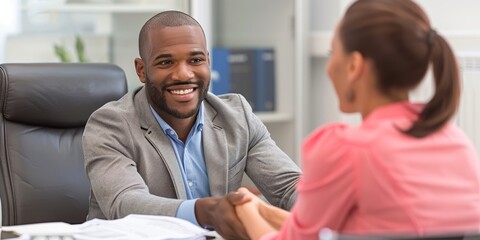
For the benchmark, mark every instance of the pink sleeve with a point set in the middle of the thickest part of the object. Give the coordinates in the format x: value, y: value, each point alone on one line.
x: 326, y: 191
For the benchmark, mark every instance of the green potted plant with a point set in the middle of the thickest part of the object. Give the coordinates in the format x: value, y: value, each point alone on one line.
x: 64, y: 56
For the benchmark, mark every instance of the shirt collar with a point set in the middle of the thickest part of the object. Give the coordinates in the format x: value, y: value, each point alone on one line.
x: 167, y: 128
x: 396, y: 109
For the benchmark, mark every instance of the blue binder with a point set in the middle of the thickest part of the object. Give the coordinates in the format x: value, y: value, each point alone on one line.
x: 242, y: 74
x: 220, y: 75
x: 248, y: 71
x: 265, y: 79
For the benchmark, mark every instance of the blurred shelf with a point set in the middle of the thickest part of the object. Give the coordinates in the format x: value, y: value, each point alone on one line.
x: 114, y: 8
x: 463, y: 42
x: 273, y: 117
x: 320, y: 42
x: 468, y: 54
x: 99, y: 7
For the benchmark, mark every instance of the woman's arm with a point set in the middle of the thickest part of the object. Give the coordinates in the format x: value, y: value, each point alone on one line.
x: 253, y: 222
x: 258, y: 217
x: 275, y: 216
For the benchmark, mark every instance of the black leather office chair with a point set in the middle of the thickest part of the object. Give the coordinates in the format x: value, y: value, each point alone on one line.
x: 44, y: 109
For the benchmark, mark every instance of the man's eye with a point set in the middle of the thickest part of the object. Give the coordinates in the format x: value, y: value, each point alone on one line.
x: 166, y: 62
x: 197, y: 60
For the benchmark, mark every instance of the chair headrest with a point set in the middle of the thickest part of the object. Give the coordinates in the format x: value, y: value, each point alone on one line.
x: 58, y: 94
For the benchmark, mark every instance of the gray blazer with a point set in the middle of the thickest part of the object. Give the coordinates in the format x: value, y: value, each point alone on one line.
x: 132, y: 167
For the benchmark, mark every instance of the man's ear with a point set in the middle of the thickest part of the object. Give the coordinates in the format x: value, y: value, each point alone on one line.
x: 355, y: 66
x: 140, y: 69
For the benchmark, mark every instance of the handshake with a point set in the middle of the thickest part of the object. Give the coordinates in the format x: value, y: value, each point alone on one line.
x: 239, y: 215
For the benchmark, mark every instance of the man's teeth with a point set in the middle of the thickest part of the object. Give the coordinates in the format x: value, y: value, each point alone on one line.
x: 182, y: 91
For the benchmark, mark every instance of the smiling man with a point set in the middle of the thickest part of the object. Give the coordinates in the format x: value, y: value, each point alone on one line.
x: 172, y: 148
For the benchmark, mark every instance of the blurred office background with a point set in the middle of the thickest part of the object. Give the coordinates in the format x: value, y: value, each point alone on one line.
x: 298, y: 30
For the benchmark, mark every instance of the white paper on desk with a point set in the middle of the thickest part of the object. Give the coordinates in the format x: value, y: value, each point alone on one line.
x: 44, y: 229
x: 148, y: 227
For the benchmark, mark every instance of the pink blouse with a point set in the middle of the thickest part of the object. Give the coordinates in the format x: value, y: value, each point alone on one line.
x: 373, y: 179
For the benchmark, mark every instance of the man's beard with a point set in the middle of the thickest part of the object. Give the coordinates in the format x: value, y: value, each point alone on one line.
x: 159, y: 100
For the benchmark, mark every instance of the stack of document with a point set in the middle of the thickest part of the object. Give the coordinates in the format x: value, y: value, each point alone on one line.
x: 146, y: 227
x: 132, y: 227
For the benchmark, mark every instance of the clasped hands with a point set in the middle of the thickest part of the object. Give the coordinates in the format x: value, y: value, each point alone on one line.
x: 232, y: 214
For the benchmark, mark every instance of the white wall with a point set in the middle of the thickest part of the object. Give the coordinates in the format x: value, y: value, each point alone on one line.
x: 8, y: 23
x: 447, y: 15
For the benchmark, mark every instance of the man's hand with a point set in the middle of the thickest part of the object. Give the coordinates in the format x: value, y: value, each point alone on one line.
x: 219, y: 213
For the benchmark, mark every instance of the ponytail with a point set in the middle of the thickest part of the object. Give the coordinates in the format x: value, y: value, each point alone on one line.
x: 443, y: 105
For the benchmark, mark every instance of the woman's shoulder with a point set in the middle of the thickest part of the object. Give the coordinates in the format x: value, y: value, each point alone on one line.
x: 330, y: 134
x: 327, y: 141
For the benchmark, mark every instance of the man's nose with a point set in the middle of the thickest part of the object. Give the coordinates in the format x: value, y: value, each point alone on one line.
x: 182, y: 72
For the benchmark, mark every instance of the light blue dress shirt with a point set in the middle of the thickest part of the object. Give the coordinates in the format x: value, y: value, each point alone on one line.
x: 191, y: 159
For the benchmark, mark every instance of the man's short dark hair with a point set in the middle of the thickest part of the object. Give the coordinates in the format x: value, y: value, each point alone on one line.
x: 161, y: 20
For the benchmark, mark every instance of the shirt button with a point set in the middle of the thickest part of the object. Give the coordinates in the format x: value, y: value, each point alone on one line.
x: 190, y: 183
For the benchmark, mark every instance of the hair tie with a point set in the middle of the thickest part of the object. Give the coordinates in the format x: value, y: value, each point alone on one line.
x: 431, y: 36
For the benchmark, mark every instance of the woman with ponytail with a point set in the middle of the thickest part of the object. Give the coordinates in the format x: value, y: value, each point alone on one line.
x: 406, y: 169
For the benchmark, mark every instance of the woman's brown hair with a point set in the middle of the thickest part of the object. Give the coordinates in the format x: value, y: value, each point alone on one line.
x: 397, y: 37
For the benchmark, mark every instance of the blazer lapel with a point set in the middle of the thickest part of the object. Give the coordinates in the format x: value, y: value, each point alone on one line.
x: 215, y: 151
x: 154, y: 134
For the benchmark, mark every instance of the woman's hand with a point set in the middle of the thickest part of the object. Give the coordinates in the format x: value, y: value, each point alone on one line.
x: 249, y: 214
x: 273, y: 215
x: 250, y: 204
